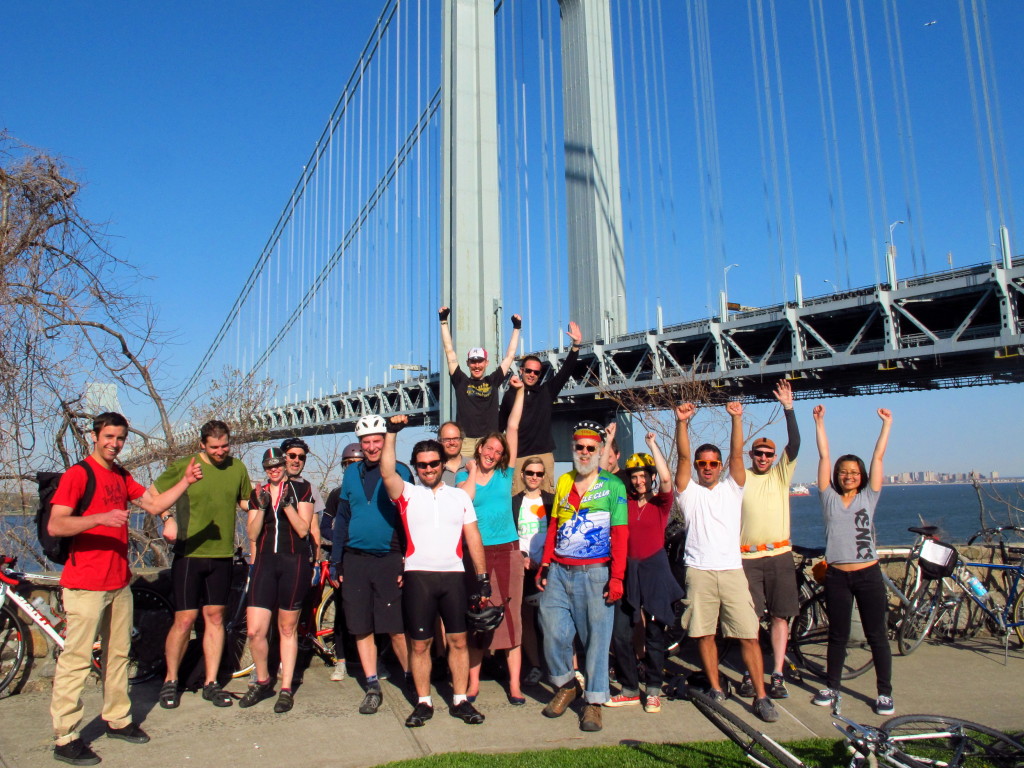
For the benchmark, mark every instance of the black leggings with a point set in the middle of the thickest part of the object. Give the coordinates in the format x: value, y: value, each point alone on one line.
x: 867, y: 588
x: 655, y: 643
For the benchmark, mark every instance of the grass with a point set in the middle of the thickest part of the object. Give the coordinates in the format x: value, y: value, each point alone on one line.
x: 707, y: 754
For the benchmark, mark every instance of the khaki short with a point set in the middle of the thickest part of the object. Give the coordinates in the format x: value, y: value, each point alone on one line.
x: 718, y: 596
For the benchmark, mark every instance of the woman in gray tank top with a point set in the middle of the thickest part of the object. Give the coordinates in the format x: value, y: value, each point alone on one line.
x: 849, y: 494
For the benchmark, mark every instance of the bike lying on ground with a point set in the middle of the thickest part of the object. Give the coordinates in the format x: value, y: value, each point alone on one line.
x: 152, y: 617
x: 908, y: 741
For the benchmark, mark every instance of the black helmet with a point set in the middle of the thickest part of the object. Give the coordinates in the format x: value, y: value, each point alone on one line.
x: 485, y: 618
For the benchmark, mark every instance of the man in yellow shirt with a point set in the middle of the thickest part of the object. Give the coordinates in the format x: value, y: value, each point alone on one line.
x: 765, y: 546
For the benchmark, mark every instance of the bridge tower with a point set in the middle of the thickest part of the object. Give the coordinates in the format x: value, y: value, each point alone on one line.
x: 470, y: 227
x: 597, y: 282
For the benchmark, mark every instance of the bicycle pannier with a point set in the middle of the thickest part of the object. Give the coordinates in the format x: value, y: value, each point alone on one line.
x: 937, y: 559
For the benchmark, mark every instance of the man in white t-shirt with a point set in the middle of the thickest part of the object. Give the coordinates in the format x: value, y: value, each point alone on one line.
x: 716, y: 587
x: 437, y: 519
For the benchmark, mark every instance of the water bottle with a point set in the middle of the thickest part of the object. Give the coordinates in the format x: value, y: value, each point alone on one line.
x: 44, y: 608
x: 976, y: 587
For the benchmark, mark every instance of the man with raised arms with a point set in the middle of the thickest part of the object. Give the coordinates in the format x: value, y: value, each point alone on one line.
x: 437, y: 518
x: 716, y: 588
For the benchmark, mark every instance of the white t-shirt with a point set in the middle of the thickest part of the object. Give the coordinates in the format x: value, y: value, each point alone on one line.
x: 433, y: 526
x: 712, y: 518
x: 533, y: 528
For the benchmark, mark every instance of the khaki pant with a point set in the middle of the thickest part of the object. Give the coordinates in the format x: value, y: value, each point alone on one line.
x: 469, y: 446
x: 107, y: 615
x: 548, y: 484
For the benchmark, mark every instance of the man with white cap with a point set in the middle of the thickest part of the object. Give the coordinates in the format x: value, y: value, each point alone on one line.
x: 476, y: 395
x: 367, y: 557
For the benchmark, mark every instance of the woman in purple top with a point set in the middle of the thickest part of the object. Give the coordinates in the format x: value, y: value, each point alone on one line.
x: 849, y: 494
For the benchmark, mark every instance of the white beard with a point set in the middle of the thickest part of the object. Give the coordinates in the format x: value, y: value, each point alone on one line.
x: 585, y: 466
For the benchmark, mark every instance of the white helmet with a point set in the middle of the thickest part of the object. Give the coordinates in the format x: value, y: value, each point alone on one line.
x: 370, y: 425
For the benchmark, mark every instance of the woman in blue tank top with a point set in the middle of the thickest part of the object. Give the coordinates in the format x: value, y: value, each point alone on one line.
x: 849, y: 494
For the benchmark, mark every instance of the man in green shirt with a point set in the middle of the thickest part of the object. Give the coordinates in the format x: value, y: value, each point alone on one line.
x: 203, y: 533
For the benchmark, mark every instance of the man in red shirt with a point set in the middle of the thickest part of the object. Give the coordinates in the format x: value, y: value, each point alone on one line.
x: 96, y: 578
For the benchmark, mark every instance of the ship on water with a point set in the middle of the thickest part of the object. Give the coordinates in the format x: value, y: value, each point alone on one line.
x: 799, y: 490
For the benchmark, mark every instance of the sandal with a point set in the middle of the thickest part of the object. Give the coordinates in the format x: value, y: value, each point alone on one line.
x: 170, y: 696
x: 213, y: 693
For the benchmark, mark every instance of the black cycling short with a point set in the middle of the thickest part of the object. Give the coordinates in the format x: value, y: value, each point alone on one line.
x: 199, y: 581
x: 371, y: 595
x: 429, y: 594
x: 280, y: 581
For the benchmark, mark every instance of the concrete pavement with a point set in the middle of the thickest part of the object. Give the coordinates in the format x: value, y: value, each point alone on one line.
x: 325, y: 729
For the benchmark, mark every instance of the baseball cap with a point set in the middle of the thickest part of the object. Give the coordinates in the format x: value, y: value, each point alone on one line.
x: 763, y: 442
x: 477, y: 353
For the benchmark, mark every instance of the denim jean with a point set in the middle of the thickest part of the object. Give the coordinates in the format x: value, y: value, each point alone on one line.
x: 572, y: 604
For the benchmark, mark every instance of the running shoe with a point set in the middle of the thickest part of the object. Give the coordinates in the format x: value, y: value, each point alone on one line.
x: 467, y: 713
x: 884, y: 706
x: 716, y: 695
x: 747, y: 687
x: 652, y: 705
x: 765, y: 710
x: 339, y: 672
x: 419, y: 715
x: 826, y: 697
x: 777, y: 690
x: 371, y: 701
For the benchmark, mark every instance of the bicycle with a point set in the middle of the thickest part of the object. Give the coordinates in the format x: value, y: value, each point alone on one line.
x: 908, y: 741
x: 152, y: 617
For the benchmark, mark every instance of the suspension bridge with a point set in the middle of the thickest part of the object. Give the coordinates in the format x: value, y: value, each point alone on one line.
x: 569, y: 161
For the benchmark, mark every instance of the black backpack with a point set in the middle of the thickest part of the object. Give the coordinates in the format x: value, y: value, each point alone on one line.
x: 58, y: 548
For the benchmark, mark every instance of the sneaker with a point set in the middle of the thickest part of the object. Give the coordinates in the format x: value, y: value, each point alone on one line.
x: 884, y: 706
x: 777, y: 690
x: 533, y: 676
x: 419, y: 715
x: 765, y: 710
x: 591, y: 721
x: 256, y: 693
x: 467, y: 713
x: 652, y: 705
x: 75, y: 752
x: 130, y: 733
x: 622, y: 700
x: 747, y: 687
x: 285, y: 701
x: 826, y: 697
x: 716, y: 695
x: 371, y: 701
x: 339, y: 672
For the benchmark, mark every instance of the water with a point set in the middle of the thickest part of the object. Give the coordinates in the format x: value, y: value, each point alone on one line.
x: 954, y: 508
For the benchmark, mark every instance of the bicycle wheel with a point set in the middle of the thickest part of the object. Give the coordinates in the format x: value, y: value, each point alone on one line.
x: 918, y: 618
x: 12, y: 650
x: 936, y: 740
x: 1017, y: 616
x: 237, y: 653
x: 757, y: 745
x: 1006, y: 542
x: 325, y: 616
x: 152, y: 619
x: 808, y: 640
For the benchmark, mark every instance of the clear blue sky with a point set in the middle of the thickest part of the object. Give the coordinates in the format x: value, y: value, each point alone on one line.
x: 191, y: 122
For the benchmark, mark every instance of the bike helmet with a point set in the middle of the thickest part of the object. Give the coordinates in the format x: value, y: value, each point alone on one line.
x: 273, y: 457
x: 294, y: 442
x: 370, y: 425
x: 352, y: 451
x: 484, y: 618
x: 588, y: 428
x: 640, y: 461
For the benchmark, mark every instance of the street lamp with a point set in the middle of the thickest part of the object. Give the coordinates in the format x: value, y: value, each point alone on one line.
x: 890, y: 255
x: 892, y: 227
x: 834, y: 288
x: 725, y: 289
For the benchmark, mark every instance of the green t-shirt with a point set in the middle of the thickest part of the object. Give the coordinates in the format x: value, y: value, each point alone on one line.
x: 206, y: 512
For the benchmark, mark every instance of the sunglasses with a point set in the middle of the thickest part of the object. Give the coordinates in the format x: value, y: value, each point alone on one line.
x: 702, y: 463
x: 584, y: 448
x: 764, y: 454
x: 531, y: 473
x: 297, y: 456
x: 534, y: 371
x: 428, y: 464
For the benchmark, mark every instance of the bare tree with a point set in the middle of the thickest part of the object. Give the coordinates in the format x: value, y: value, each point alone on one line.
x: 70, y: 315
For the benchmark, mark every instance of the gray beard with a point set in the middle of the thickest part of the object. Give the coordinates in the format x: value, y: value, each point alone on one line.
x: 585, y: 468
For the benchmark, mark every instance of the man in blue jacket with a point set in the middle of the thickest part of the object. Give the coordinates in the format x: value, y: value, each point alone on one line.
x: 367, y: 558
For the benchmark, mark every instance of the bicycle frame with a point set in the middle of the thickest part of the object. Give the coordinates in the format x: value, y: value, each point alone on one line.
x: 6, y: 593
x: 1001, y: 616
